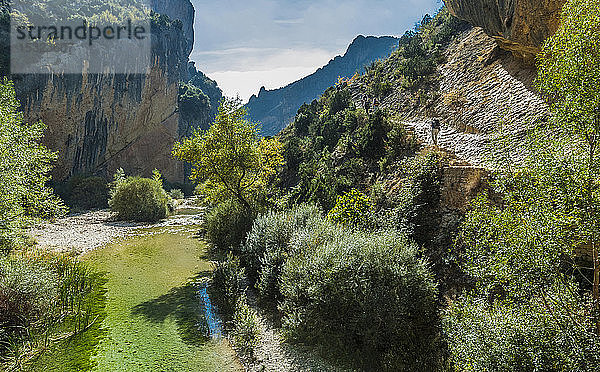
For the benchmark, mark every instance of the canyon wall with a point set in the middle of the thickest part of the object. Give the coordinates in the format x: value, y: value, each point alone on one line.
x: 519, y: 26
x: 98, y: 123
x: 181, y: 10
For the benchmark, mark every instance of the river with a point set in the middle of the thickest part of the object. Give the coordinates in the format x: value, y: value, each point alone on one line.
x: 152, y: 316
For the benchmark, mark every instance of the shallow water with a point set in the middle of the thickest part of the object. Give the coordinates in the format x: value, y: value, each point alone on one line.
x: 214, y: 323
x: 157, y: 317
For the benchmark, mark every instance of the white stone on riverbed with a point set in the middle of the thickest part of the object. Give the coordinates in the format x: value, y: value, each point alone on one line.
x: 82, y: 232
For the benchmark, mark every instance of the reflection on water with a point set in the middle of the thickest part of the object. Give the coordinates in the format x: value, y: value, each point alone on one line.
x: 215, y: 325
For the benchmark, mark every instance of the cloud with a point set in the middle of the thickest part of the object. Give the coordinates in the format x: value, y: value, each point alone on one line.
x: 246, y: 83
x: 296, y: 21
x: 232, y: 51
x: 234, y: 37
x: 260, y: 59
x: 255, y: 67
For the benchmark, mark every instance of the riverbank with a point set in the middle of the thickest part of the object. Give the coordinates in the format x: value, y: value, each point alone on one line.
x: 150, y: 315
x: 82, y: 232
x: 154, y: 318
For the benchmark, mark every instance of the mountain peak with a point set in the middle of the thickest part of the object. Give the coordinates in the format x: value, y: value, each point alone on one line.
x: 362, y: 42
x: 276, y: 108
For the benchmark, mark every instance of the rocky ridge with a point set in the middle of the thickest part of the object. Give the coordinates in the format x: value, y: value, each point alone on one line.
x: 275, y: 109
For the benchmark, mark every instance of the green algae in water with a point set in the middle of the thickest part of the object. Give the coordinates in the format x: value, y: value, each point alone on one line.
x: 153, y: 317
x: 75, y: 353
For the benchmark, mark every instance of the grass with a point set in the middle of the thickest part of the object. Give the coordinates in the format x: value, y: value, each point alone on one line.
x: 153, y: 317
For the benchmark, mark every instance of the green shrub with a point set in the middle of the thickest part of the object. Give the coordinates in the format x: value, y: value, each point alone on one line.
x: 367, y: 296
x: 245, y: 331
x: 194, y: 105
x: 414, y: 206
x: 353, y: 209
x: 88, y: 192
x: 139, y: 199
x: 268, y: 245
x: 371, y: 139
x: 227, y: 224
x: 176, y: 194
x: 187, y: 188
x: 399, y: 145
x: 520, y: 336
x: 41, y: 294
x: 28, y: 293
x: 228, y: 284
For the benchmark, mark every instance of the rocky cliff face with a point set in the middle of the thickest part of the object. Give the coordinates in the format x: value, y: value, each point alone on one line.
x: 478, y: 90
x: 519, y: 26
x: 182, y: 10
x: 98, y: 123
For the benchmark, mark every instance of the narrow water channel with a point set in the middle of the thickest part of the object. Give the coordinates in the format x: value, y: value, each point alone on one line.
x: 155, y: 315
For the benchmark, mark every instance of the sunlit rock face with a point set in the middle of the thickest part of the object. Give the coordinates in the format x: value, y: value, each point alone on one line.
x: 98, y: 123
x: 519, y: 26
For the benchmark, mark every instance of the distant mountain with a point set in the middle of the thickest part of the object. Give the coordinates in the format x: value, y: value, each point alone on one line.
x: 275, y: 109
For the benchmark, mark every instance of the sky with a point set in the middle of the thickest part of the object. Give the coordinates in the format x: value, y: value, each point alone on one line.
x: 246, y: 44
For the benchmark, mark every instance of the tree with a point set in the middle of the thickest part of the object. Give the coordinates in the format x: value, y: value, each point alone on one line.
x: 528, y: 310
x: 526, y: 306
x: 229, y: 159
x: 24, y: 168
x: 194, y: 105
x: 569, y: 78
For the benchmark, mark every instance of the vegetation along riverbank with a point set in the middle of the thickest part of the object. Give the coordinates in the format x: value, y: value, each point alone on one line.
x: 437, y: 211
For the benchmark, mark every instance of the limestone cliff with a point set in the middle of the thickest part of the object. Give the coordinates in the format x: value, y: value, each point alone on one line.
x: 98, y: 123
x: 519, y: 26
x: 181, y: 10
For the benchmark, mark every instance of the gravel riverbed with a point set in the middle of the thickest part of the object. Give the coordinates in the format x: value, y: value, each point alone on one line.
x: 79, y: 233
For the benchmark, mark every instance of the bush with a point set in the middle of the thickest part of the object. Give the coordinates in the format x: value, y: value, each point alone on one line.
x: 88, y: 192
x: 228, y: 285
x: 245, y: 328
x: 194, y: 105
x: 353, y: 209
x: 414, y: 206
x: 176, y: 194
x: 268, y: 245
x: 520, y: 337
x: 187, y: 188
x: 27, y: 296
x: 227, y: 224
x: 366, y: 296
x: 139, y: 199
x: 41, y: 294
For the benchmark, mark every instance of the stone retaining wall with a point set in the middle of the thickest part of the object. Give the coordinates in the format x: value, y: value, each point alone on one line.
x: 460, y: 185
